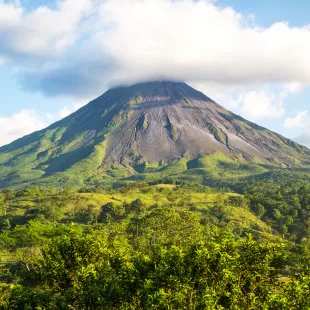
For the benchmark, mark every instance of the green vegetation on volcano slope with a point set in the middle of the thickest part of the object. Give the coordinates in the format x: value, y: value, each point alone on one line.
x: 87, y: 171
x: 153, y: 247
x: 78, y: 161
x: 207, y: 170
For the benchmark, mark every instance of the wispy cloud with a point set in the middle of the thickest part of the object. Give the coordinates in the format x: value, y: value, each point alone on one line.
x: 300, y: 120
x: 20, y: 124
x: 41, y: 34
x: 261, y: 104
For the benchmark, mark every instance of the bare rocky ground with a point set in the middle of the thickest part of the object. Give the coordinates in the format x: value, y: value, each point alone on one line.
x: 167, y: 120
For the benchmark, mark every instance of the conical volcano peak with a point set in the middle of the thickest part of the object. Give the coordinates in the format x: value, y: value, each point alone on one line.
x: 165, y: 121
x: 164, y: 91
x: 147, y: 87
x: 143, y: 124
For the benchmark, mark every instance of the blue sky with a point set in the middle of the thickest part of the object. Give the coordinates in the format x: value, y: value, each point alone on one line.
x: 268, y: 12
x: 250, y: 56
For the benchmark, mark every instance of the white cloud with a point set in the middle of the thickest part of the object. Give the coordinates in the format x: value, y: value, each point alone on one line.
x: 194, y: 41
x: 2, y: 61
x: 25, y: 122
x: 294, y: 87
x: 301, y: 120
x: 260, y: 104
x: 10, y: 14
x: 43, y: 32
x: 198, y: 41
x: 305, y: 138
x: 69, y: 109
x: 266, y: 101
x: 20, y: 124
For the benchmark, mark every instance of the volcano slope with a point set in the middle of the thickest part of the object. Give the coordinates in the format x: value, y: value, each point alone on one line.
x: 145, y: 132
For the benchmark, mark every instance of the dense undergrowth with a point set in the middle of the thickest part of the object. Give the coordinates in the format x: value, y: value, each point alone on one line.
x: 157, y: 246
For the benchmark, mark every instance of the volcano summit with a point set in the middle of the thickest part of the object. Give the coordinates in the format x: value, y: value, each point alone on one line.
x: 142, y: 129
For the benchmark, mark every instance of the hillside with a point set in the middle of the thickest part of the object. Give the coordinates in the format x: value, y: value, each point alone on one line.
x: 153, y: 247
x: 146, y: 132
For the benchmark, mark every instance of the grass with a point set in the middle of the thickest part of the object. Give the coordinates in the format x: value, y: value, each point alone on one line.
x: 219, y: 165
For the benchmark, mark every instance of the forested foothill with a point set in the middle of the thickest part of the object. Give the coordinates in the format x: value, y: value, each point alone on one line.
x: 164, y: 245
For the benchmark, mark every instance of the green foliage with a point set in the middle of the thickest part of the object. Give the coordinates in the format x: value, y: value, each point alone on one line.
x: 259, y: 210
x: 160, y: 246
x: 218, y: 134
x: 111, y: 212
x: 96, y: 270
x: 4, y: 223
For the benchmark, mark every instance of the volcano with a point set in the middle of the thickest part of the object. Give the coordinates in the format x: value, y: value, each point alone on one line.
x: 142, y: 128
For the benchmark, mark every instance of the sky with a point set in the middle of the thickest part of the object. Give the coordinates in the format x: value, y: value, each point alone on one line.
x: 252, y: 57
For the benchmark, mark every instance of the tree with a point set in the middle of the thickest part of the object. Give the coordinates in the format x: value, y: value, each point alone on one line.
x: 110, y: 212
x: 4, y: 223
x: 238, y: 201
x: 259, y: 210
x: 138, y: 206
x: 90, y: 215
x: 50, y: 212
x: 8, y: 193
